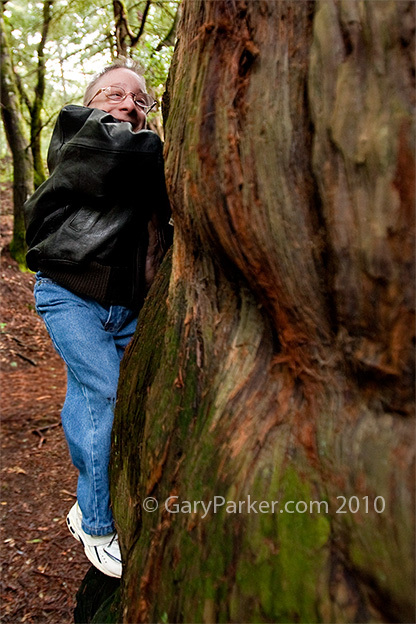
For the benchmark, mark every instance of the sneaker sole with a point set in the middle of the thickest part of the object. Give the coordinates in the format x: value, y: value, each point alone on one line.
x: 71, y: 526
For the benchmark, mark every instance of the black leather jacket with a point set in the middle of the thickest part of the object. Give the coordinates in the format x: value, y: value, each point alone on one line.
x: 93, y: 215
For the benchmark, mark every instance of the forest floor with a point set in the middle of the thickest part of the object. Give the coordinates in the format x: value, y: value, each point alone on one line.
x: 42, y: 566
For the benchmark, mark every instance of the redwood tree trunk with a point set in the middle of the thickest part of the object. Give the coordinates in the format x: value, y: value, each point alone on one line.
x: 275, y: 361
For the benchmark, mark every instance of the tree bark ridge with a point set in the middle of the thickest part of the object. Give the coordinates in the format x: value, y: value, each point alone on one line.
x: 283, y: 366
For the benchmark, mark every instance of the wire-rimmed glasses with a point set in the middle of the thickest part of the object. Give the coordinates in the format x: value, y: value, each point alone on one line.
x: 144, y: 101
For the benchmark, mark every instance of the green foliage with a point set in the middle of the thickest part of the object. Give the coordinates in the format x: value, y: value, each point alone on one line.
x: 150, y: 53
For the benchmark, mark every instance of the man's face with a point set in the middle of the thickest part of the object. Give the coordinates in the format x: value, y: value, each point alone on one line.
x: 126, y: 110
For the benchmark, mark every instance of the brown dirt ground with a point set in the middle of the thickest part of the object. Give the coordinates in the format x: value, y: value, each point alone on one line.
x: 42, y: 566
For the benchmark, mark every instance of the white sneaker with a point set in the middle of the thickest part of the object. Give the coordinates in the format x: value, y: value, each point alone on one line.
x: 103, y: 551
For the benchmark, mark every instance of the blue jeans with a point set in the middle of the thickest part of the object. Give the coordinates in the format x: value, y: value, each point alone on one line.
x: 91, y: 339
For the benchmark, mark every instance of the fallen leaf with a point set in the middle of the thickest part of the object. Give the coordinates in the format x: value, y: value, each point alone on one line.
x: 16, y: 470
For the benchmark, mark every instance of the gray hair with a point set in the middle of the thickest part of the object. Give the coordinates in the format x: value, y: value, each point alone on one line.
x: 117, y: 64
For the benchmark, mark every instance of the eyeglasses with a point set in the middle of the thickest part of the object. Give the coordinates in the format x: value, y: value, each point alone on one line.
x: 144, y: 101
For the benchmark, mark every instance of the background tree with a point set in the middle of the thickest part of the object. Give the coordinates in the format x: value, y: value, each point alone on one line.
x: 14, y: 129
x: 35, y: 107
x: 276, y: 360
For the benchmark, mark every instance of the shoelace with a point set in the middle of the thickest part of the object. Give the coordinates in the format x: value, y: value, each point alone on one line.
x: 113, y: 539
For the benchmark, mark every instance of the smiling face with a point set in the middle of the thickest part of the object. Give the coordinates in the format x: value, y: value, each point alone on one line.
x: 126, y: 110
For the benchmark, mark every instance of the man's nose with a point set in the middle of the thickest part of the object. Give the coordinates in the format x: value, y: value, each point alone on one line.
x: 128, y: 103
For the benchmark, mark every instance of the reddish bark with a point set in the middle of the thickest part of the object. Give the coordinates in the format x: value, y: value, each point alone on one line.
x: 281, y: 365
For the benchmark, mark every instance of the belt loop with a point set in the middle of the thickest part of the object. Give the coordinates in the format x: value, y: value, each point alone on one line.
x: 108, y: 321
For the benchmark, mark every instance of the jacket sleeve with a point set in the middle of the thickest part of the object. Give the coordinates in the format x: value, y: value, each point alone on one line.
x: 45, y: 201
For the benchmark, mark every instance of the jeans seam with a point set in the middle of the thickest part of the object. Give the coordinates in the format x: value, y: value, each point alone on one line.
x: 84, y: 392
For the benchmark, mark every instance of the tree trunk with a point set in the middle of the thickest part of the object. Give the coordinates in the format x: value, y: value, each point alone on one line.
x: 22, y: 162
x: 275, y: 361
x: 37, y: 106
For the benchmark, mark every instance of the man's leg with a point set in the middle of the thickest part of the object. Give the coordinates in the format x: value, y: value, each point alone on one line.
x: 77, y: 328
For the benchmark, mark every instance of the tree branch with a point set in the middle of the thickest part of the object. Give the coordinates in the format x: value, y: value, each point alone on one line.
x: 122, y: 27
x: 135, y: 40
x: 170, y: 38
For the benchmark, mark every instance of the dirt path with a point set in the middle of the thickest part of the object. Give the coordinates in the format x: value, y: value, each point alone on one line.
x: 42, y: 566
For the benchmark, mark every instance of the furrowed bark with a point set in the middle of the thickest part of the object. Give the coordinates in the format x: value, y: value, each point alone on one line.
x: 274, y: 360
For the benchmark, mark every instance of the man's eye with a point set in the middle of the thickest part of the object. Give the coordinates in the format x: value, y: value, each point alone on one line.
x: 118, y: 93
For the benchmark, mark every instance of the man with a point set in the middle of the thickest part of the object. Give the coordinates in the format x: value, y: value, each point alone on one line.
x: 97, y: 230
